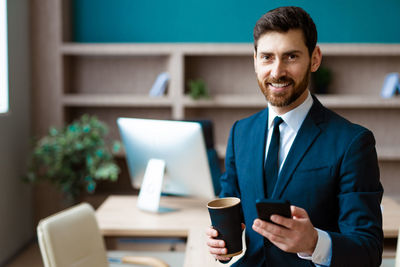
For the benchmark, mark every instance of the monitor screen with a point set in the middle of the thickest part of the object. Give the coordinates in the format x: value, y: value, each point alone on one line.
x: 180, y: 144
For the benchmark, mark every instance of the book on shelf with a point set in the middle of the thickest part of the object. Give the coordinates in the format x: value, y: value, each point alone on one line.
x: 391, y: 85
x: 160, y: 85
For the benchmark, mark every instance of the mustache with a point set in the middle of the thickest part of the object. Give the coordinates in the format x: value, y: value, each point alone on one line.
x: 283, y: 79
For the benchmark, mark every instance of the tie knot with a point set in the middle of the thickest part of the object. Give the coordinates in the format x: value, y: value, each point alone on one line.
x: 277, y: 121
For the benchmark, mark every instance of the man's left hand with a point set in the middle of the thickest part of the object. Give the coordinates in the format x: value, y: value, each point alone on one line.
x: 296, y: 234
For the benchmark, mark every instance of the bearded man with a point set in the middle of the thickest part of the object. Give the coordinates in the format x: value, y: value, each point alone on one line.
x: 323, y: 164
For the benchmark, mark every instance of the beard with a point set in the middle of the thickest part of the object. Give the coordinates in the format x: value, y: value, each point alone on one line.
x: 285, y: 98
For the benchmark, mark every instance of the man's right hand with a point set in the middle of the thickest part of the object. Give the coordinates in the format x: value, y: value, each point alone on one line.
x: 216, y: 246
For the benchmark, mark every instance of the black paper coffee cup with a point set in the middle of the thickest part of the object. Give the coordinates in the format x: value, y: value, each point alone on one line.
x: 225, y: 214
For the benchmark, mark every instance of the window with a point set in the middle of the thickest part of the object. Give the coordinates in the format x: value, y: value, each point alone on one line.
x: 3, y: 58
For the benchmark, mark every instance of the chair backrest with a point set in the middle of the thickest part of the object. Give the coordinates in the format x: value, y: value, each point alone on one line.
x: 72, y: 238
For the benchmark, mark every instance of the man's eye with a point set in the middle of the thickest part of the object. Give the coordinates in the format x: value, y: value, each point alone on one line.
x: 292, y: 57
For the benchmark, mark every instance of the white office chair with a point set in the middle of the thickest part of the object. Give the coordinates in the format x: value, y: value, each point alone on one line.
x: 397, y: 259
x: 72, y: 238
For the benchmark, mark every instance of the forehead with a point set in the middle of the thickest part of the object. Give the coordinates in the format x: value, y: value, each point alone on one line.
x: 273, y: 41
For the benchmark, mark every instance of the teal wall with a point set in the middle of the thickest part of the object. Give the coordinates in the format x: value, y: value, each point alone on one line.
x: 228, y: 20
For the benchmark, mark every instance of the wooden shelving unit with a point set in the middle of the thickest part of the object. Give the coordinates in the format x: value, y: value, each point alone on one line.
x: 111, y: 80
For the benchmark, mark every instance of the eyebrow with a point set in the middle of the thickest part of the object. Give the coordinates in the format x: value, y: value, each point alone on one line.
x: 285, y: 53
x: 293, y: 52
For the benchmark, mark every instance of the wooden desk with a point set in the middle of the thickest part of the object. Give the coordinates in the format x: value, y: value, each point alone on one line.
x: 119, y: 217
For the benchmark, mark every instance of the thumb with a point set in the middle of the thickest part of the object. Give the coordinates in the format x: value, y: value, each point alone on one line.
x: 298, y: 212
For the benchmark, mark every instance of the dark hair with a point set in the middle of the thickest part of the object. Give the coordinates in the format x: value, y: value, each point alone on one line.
x: 283, y: 19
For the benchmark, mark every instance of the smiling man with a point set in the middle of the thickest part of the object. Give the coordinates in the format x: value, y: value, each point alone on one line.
x: 298, y: 150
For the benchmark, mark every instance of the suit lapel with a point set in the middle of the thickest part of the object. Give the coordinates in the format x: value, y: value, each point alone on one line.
x: 260, y: 137
x: 307, y: 134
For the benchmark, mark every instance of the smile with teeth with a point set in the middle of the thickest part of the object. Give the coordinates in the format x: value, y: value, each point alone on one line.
x: 280, y: 85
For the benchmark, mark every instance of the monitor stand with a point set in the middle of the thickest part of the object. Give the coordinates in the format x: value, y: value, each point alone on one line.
x: 150, y: 191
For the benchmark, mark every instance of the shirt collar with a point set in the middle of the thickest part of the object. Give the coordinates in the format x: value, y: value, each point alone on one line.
x: 294, y: 118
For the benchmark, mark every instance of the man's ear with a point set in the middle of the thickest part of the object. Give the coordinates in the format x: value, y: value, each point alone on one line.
x: 316, y: 59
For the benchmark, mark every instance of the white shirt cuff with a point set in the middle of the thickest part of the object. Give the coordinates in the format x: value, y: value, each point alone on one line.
x: 323, y: 250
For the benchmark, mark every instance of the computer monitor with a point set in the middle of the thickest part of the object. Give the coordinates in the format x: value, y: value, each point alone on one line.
x: 179, y: 144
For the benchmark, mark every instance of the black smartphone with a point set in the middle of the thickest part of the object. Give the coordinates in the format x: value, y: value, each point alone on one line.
x: 267, y: 207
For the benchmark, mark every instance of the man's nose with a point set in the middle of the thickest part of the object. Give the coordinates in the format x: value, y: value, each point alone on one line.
x: 278, y: 69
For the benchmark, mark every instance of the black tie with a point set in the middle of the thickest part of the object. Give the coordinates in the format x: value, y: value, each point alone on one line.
x: 272, y: 162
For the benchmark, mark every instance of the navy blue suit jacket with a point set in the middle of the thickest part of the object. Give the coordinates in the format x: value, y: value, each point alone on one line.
x: 331, y: 171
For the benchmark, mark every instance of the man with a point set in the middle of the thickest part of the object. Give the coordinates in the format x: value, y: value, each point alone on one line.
x: 327, y: 166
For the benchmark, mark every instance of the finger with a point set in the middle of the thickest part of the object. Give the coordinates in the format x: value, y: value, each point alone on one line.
x: 221, y: 258
x: 268, y: 229
x: 281, y: 241
x: 217, y: 251
x: 275, y: 239
x: 216, y: 243
x: 298, y: 212
x: 286, y: 222
x: 211, y: 232
x: 243, y: 226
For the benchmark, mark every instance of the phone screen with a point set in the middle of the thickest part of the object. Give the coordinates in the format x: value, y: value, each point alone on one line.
x: 267, y: 207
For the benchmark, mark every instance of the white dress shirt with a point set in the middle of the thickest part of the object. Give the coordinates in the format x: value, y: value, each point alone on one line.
x: 288, y: 129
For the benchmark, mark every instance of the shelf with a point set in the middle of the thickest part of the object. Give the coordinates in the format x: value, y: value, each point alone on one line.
x: 388, y: 153
x: 93, y: 49
x: 227, y: 101
x: 122, y: 100
x: 222, y: 101
x: 359, y: 49
x: 155, y: 49
x: 330, y: 101
x: 217, y: 49
x: 358, y: 102
x: 221, y: 150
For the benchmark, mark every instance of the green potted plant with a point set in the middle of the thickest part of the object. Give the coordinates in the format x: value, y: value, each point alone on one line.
x: 74, y: 158
x: 321, y: 80
x: 198, y: 89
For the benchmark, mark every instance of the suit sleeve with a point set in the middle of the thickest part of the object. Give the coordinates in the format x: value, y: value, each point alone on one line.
x: 360, y: 238
x: 229, y: 182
